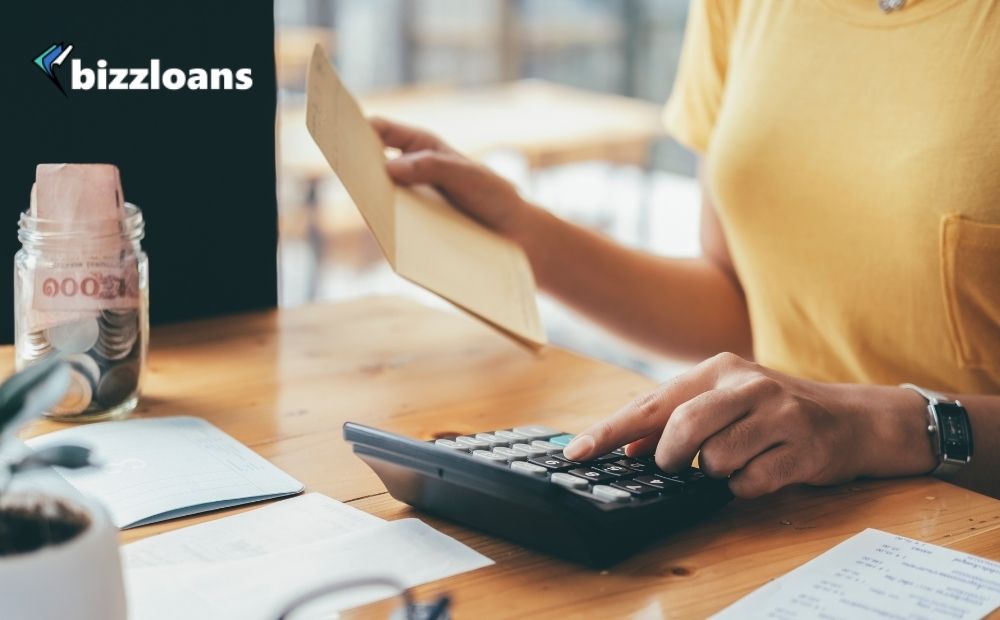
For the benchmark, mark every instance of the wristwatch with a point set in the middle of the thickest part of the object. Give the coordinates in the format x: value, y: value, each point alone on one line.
x: 949, y: 430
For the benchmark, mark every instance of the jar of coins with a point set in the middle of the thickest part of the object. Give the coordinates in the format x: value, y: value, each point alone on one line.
x: 81, y: 290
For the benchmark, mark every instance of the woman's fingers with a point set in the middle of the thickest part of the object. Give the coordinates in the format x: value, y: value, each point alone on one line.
x: 766, y: 473
x: 733, y: 447
x: 639, y: 418
x: 695, y: 420
x: 442, y: 170
x: 642, y: 446
x: 406, y: 138
x: 643, y: 416
x: 648, y: 414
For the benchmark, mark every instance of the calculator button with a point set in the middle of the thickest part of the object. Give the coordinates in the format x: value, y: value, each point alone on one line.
x: 636, y: 488
x: 489, y: 456
x: 536, y: 431
x: 688, y: 475
x: 567, y: 480
x: 528, y: 468
x: 660, y: 482
x: 637, y: 466
x: 492, y: 439
x: 510, y: 454
x: 562, y: 440
x: 611, y: 494
x: 509, y: 437
x: 611, y: 456
x: 592, y: 474
x: 448, y: 443
x: 552, y: 463
x: 548, y: 446
x: 617, y: 471
x: 528, y: 451
x: 472, y: 443
x: 593, y: 461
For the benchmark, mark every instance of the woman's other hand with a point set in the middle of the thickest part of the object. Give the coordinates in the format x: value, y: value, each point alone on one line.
x: 469, y: 186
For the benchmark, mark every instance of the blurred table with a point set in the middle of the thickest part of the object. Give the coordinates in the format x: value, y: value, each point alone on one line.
x: 545, y: 123
x: 283, y: 382
x: 548, y: 124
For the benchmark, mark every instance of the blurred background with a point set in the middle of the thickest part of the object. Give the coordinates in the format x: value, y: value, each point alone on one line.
x: 563, y: 97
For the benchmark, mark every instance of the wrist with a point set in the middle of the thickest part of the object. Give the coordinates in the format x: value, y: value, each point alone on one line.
x: 896, y: 439
x: 528, y: 226
x: 518, y: 222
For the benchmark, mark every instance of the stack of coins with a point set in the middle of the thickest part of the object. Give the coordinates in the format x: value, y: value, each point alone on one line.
x: 35, y: 347
x: 104, y: 358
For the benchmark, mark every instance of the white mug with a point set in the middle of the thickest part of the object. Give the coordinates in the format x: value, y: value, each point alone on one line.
x: 80, y: 578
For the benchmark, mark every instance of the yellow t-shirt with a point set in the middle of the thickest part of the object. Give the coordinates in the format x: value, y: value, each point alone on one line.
x: 854, y: 158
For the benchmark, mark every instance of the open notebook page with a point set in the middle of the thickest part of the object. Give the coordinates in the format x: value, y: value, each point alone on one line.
x: 163, y: 468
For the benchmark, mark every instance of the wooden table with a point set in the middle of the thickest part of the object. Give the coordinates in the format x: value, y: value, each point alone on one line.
x: 283, y: 382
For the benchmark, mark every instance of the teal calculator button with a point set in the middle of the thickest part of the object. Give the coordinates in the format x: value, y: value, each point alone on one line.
x: 561, y: 440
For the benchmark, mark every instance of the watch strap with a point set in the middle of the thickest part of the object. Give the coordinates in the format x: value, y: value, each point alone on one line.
x: 930, y: 396
x: 945, y: 469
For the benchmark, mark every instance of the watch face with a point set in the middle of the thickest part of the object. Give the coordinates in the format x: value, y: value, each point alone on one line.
x: 956, y: 437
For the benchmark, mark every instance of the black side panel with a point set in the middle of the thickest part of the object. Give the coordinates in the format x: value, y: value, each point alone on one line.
x: 199, y: 163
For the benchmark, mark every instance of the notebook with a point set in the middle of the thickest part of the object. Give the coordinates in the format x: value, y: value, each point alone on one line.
x: 163, y: 468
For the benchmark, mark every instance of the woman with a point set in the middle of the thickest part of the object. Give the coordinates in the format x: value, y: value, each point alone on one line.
x: 850, y: 169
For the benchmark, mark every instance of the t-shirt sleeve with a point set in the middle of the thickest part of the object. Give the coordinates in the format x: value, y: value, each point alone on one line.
x: 693, y: 106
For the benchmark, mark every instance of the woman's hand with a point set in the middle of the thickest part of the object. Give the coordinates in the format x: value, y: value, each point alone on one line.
x: 469, y: 186
x: 765, y: 430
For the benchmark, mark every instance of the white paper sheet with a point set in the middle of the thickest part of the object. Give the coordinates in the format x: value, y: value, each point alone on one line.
x: 878, y: 575
x: 162, y: 468
x: 276, y: 527
x: 249, y: 566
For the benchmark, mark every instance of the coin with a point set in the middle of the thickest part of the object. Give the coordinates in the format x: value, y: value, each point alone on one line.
x: 35, y: 346
x: 78, y: 396
x: 87, y: 366
x: 118, y: 383
x: 75, y: 337
x: 119, y: 330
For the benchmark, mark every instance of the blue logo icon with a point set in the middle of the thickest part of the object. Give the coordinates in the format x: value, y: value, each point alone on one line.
x: 53, y: 57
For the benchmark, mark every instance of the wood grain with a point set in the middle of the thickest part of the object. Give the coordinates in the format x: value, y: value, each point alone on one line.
x: 283, y: 382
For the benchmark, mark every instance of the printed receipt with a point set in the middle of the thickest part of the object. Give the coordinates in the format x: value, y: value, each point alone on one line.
x: 879, y: 575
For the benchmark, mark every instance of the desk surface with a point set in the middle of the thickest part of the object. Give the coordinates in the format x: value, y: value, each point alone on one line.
x: 283, y: 382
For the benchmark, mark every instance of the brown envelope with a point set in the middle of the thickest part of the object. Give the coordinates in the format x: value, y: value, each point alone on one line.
x: 424, y: 239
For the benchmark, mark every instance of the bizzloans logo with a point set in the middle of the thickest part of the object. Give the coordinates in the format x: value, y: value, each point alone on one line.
x: 152, y: 77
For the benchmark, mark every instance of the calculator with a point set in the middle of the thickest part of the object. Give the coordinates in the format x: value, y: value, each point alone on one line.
x: 517, y: 483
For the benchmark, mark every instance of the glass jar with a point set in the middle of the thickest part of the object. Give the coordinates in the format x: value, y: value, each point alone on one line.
x: 81, y: 290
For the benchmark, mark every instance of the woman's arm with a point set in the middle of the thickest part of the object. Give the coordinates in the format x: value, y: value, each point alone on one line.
x: 687, y: 308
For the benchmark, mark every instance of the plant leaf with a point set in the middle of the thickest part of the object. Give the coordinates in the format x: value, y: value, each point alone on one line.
x: 27, y: 394
x: 68, y: 456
